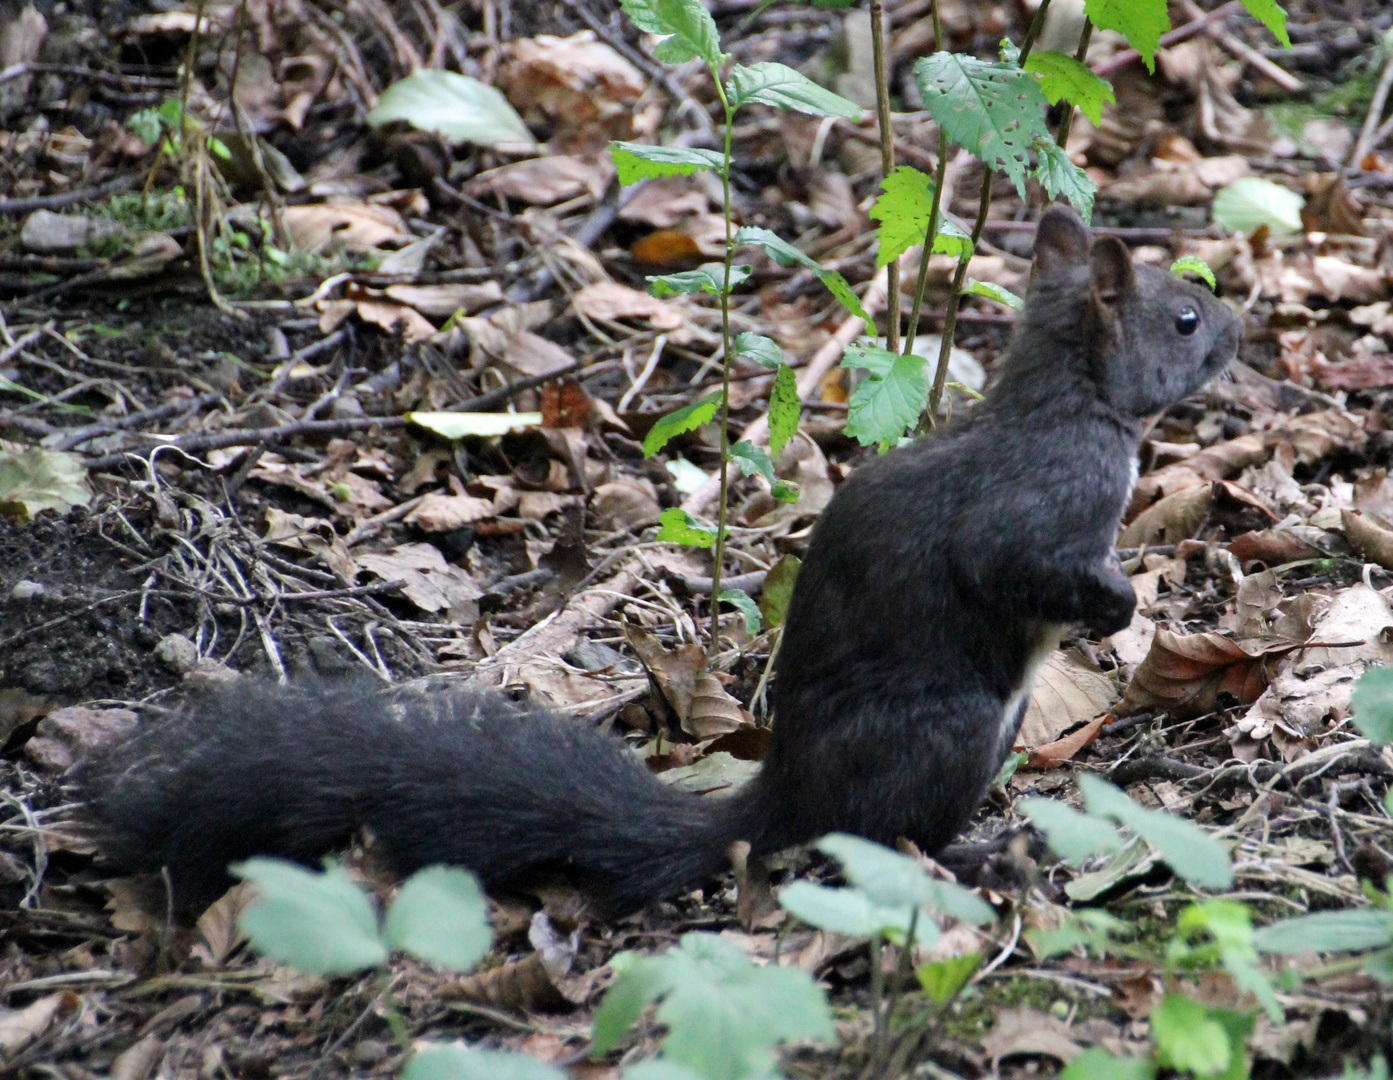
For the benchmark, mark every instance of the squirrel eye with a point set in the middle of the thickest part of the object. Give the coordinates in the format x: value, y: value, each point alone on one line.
x: 1187, y: 322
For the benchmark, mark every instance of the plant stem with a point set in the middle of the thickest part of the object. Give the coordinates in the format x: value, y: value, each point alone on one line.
x: 880, y: 1033
x: 887, y: 162
x: 1066, y: 121
x: 714, y: 644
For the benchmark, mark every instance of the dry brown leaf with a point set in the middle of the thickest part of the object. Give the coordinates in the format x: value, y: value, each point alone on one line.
x: 531, y: 354
x: 626, y: 503
x: 1175, y: 517
x: 610, y: 300
x: 442, y: 301
x: 444, y: 513
x: 1369, y: 535
x: 20, y: 1027
x: 1283, y: 545
x: 546, y: 180
x: 1216, y: 462
x: 313, y: 535
x: 218, y: 931
x: 359, y: 226
x: 1068, y: 690
x: 1027, y: 1031
x: 665, y: 201
x: 428, y: 580
x: 714, y: 712
x: 1054, y: 754
x: 1184, y: 674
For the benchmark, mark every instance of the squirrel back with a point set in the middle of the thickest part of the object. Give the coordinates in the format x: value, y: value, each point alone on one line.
x: 936, y: 579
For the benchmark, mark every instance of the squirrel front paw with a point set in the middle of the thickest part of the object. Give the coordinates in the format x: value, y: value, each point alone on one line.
x: 1114, y: 601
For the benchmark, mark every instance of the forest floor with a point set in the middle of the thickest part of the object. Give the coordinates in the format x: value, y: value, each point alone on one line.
x: 219, y: 352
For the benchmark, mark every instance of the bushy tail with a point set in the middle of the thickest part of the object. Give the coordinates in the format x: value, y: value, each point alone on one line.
x: 459, y: 777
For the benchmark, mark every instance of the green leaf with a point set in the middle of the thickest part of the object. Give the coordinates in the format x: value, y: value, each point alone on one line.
x: 657, y: 1069
x: 679, y: 527
x: 439, y: 914
x: 1270, y: 14
x: 1073, y: 836
x: 688, y: 418
x: 746, y: 606
x: 1059, y: 176
x: 845, y: 911
x: 691, y: 32
x: 458, y: 425
x: 991, y: 108
x: 1141, y: 22
x: 1327, y: 931
x: 1248, y: 203
x: 1062, y: 76
x: 888, y: 403
x: 33, y: 480
x: 453, y: 105
x: 724, y: 1015
x: 892, y: 880
x: 753, y: 461
x: 1096, y: 1063
x: 641, y: 161
x: 779, y: 85
x: 709, y: 278
x: 1231, y: 927
x: 1372, y: 702
x: 762, y: 350
x: 785, y: 254
x: 951, y: 240
x: 1193, y: 264
x: 785, y: 408
x: 903, y: 209
x: 321, y: 924
x: 1189, y: 850
x: 974, y: 287
x: 1187, y: 1037
x: 942, y: 979
x: 778, y: 589
x: 1093, y: 928
x: 457, y: 1061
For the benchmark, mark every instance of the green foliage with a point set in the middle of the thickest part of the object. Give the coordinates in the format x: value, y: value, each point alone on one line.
x: 687, y: 418
x: 746, y: 606
x: 1251, y: 202
x: 753, y: 461
x: 1063, y: 77
x: 1270, y: 14
x: 1092, y: 928
x: 691, y: 31
x: 890, y: 400
x: 1372, y: 702
x: 1141, y: 22
x: 1059, y: 176
x: 322, y: 924
x: 641, y: 161
x: 785, y: 254
x: 993, y: 292
x: 709, y: 278
x: 33, y: 480
x: 457, y: 1061
x: 1096, y: 1063
x: 1200, y: 1039
x: 676, y: 526
x: 453, y: 105
x: 1230, y: 944
x: 778, y: 590
x: 762, y: 350
x: 438, y: 915
x: 724, y: 1015
x: 1193, y: 264
x: 1328, y: 931
x: 782, y: 87
x: 943, y: 979
x: 903, y: 209
x: 785, y: 408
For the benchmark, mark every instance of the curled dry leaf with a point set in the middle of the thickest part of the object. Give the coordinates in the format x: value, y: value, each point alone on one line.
x: 610, y: 300
x: 20, y: 1027
x: 1184, y: 674
x: 546, y: 180
x: 1069, y: 690
x: 313, y: 535
x: 1216, y: 462
x: 428, y: 581
x: 444, y: 513
x: 1370, y: 536
x: 358, y: 226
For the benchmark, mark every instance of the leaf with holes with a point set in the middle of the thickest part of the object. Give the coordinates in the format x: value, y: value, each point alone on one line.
x: 1058, y: 175
x: 991, y: 108
x: 785, y: 407
x: 903, y: 209
x: 1193, y: 264
x: 679, y: 527
x: 687, y: 418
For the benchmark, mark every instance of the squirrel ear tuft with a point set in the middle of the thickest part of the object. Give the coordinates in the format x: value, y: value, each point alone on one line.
x: 1113, y: 276
x: 1061, y: 241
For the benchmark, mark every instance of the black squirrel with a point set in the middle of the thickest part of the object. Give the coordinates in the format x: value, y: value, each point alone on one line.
x: 937, y: 578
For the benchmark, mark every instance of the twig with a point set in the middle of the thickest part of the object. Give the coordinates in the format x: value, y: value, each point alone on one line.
x: 115, y: 78
x: 1245, y: 52
x: 54, y: 202
x: 1371, y: 133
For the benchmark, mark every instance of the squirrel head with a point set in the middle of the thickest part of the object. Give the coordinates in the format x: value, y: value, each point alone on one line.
x: 1150, y: 338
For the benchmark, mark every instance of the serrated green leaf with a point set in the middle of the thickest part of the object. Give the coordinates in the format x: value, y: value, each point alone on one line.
x: 458, y: 1061
x: 785, y: 408
x: 1059, y: 176
x: 1141, y: 22
x: 785, y: 254
x: 690, y: 31
x: 1230, y: 926
x: 1372, y: 704
x: 762, y: 350
x: 888, y: 403
x: 709, y: 278
x: 1187, y: 849
x: 843, y: 911
x: 894, y: 880
x: 1073, y: 836
x: 1327, y: 931
x: 679, y: 527
x: 641, y: 161
x: 321, y: 924
x: 458, y: 425
x: 439, y: 914
x: 1095, y: 1063
x: 746, y: 606
x: 688, y: 418
x: 951, y: 240
x: 453, y: 105
x: 33, y: 480
x: 993, y: 292
x: 777, y: 590
x: 724, y: 1015
x: 1193, y: 264
x: 992, y: 109
x: 1251, y: 202
x: 1270, y: 14
x: 1092, y: 928
x: 903, y: 209
x: 1062, y: 76
x: 784, y: 88
x: 753, y: 460
x: 1187, y: 1037
x: 942, y: 979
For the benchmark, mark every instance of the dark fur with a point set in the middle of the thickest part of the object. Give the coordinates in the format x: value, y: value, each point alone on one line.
x: 931, y: 580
